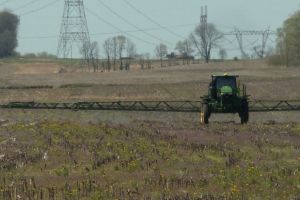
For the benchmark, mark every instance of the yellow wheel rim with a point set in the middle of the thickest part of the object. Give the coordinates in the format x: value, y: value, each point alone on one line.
x: 201, y: 117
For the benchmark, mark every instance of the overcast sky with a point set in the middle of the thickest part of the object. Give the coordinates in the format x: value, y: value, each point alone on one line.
x: 40, y: 24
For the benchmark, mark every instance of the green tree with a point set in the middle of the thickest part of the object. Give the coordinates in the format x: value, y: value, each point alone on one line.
x: 288, y: 37
x: 8, y: 33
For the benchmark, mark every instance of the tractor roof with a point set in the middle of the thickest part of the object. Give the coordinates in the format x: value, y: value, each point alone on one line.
x: 225, y: 75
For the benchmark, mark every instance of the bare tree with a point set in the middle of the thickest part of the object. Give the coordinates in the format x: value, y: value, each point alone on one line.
x: 222, y: 54
x: 130, y: 48
x: 85, y: 54
x: 115, y: 48
x: 142, y: 61
x: 205, y: 38
x: 108, y: 50
x: 94, y: 55
x: 115, y: 51
x: 118, y: 48
x: 185, y: 48
x: 161, y: 51
x: 149, y: 64
x: 121, y: 42
x: 131, y: 53
x: 90, y: 52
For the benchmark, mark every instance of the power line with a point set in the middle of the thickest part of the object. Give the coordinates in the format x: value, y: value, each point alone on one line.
x: 251, y: 43
x: 25, y: 5
x: 133, y: 25
x: 229, y: 41
x: 152, y: 20
x: 225, y: 26
x: 39, y: 37
x: 273, y: 41
x: 117, y: 28
x: 5, y: 2
x: 40, y: 8
x: 252, y: 32
x: 104, y: 33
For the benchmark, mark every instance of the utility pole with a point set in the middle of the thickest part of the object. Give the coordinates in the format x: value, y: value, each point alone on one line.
x: 74, y: 29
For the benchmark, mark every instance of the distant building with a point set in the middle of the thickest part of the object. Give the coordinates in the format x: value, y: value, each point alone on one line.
x: 184, y: 56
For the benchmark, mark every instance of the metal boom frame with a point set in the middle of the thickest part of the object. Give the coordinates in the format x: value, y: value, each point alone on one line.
x: 154, y: 106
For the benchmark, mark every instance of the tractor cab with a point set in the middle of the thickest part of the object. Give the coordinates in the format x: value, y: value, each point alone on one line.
x: 223, y: 85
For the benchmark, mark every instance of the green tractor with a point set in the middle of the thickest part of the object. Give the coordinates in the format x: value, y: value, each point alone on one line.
x: 225, y: 96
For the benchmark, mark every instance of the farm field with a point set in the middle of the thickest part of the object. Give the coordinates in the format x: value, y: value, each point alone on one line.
x: 149, y: 160
x: 49, y: 154
x: 170, y: 83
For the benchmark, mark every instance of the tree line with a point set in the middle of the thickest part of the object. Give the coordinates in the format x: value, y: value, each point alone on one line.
x: 8, y: 33
x: 288, y: 45
x: 119, y: 51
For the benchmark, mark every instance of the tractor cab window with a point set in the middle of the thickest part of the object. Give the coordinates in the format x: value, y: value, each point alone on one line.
x: 225, y: 81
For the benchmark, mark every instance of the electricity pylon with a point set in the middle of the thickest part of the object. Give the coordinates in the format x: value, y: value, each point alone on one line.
x: 74, y: 29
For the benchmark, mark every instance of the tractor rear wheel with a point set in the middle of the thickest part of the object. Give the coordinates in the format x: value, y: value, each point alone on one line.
x: 244, y: 113
x: 205, y: 114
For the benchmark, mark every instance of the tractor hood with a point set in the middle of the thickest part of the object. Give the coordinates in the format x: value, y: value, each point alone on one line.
x: 226, y: 90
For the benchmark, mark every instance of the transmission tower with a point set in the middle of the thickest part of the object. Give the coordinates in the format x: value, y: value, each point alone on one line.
x: 203, y: 19
x: 265, y: 37
x: 260, y: 49
x: 239, y: 37
x: 74, y: 29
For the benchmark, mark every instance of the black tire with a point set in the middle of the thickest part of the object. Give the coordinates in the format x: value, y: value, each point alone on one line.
x: 206, y: 113
x: 244, y: 113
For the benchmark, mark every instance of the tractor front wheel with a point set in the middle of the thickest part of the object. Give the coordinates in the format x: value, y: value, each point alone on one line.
x: 205, y: 114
